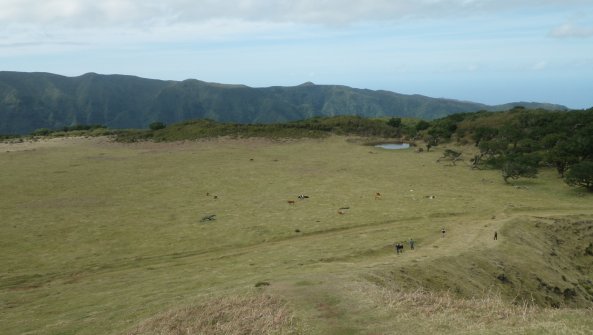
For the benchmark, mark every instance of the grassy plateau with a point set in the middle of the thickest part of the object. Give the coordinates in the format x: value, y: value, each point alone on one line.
x: 99, y: 237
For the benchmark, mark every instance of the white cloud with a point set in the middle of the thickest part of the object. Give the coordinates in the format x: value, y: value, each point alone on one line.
x: 570, y: 30
x: 121, y: 21
x: 143, y: 12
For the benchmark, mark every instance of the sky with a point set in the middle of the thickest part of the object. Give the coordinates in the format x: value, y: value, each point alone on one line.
x: 488, y: 51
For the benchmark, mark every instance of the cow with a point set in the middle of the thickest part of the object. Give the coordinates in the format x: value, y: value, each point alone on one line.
x: 290, y: 202
x: 377, y: 196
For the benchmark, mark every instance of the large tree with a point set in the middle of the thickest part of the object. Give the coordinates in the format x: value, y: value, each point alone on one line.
x: 580, y: 174
x: 519, y: 166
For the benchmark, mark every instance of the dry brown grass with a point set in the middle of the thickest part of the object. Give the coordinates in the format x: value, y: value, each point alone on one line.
x: 431, y: 312
x: 431, y: 304
x: 232, y: 315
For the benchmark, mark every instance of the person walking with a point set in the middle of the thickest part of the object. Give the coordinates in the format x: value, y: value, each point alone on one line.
x: 495, y: 236
x: 443, y: 232
x: 411, y: 244
x: 399, y: 248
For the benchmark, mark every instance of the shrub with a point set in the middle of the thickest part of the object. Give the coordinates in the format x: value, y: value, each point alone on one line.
x: 156, y: 126
x: 41, y: 132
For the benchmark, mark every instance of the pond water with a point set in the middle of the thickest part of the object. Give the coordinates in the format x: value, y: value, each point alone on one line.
x: 393, y: 146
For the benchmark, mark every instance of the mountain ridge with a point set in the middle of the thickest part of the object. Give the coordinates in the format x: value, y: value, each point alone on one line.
x: 33, y: 100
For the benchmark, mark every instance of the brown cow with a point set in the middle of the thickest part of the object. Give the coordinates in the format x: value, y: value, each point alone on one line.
x: 377, y: 196
x: 290, y: 202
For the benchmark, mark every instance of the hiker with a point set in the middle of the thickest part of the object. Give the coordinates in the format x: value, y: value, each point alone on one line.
x: 495, y: 236
x: 411, y: 244
x: 443, y: 232
x: 399, y: 248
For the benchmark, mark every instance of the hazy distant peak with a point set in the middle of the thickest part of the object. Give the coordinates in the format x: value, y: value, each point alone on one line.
x: 308, y: 83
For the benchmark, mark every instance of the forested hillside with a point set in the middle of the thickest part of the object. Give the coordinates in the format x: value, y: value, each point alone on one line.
x: 30, y: 101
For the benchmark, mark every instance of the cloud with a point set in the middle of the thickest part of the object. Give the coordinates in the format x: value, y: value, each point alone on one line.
x: 569, y: 30
x: 144, y: 13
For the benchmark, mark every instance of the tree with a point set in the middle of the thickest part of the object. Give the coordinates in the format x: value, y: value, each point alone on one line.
x: 494, y: 147
x: 512, y: 134
x: 422, y: 125
x: 431, y: 141
x: 451, y: 155
x: 484, y: 134
x: 516, y: 167
x: 156, y: 126
x: 395, y: 122
x: 580, y: 174
x: 562, y: 156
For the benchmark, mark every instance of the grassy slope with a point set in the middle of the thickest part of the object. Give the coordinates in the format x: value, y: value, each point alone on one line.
x: 99, y: 236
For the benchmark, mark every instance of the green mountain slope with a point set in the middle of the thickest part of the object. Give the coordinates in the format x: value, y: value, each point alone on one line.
x: 29, y: 101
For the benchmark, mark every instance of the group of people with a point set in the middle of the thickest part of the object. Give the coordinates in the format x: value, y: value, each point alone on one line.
x: 399, y: 246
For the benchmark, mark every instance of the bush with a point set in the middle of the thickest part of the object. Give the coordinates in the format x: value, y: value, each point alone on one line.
x: 156, y: 126
x: 41, y: 132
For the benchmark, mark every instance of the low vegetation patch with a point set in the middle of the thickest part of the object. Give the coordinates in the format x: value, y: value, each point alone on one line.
x: 429, y: 312
x: 250, y: 314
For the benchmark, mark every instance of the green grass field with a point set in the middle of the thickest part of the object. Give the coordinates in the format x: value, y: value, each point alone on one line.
x: 99, y: 237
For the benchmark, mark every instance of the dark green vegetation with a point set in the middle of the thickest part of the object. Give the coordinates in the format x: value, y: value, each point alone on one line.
x: 30, y: 101
x: 521, y: 141
x: 311, y: 128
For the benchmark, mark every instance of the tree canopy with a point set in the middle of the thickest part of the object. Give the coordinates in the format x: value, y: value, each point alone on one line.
x: 521, y: 141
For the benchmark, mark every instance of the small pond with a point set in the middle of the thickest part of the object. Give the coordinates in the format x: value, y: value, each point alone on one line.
x: 393, y: 146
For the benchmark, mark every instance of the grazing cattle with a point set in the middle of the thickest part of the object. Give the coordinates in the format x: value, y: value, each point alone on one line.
x: 341, y: 212
x: 399, y: 248
x: 215, y: 197
x: 290, y: 202
x: 377, y: 196
x: 302, y: 196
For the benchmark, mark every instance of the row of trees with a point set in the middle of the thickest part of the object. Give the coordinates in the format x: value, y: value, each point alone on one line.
x: 520, y: 142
